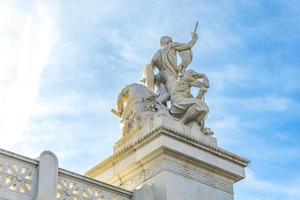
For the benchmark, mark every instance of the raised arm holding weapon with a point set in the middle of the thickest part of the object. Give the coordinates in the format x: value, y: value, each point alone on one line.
x: 165, y: 60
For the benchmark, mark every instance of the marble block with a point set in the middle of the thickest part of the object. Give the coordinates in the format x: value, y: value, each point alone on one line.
x: 166, y: 123
x: 168, y: 165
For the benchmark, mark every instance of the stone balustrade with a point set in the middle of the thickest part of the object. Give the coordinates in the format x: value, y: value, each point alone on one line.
x: 77, y: 187
x: 22, y: 178
x: 18, y: 176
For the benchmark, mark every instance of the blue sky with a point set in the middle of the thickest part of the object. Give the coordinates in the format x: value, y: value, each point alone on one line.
x: 63, y: 64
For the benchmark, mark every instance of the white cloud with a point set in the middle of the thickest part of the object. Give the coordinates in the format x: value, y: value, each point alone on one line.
x: 254, y: 186
x: 28, y: 39
x: 73, y: 104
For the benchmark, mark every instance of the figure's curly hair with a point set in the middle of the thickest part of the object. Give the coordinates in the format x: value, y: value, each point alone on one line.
x: 165, y: 40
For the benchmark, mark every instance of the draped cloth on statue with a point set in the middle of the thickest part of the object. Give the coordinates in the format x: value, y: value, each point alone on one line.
x: 179, y: 107
x: 166, y: 60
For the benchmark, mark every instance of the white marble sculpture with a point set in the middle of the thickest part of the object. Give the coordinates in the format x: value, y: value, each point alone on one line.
x: 187, y: 107
x: 166, y: 152
x: 172, y: 84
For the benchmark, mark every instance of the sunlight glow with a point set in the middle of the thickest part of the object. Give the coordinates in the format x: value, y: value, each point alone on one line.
x: 25, y: 50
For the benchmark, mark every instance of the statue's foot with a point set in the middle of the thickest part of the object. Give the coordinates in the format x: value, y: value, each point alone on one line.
x: 207, y: 131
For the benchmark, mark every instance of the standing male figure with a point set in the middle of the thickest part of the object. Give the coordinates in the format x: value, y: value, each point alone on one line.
x: 165, y: 60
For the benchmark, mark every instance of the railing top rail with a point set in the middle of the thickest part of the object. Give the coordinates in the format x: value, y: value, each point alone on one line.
x: 18, y: 157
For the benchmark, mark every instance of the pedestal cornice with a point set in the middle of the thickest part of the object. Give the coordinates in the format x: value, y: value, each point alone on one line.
x: 162, y: 131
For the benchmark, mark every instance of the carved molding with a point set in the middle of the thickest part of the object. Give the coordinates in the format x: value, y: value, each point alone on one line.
x: 188, y: 171
x: 174, y: 134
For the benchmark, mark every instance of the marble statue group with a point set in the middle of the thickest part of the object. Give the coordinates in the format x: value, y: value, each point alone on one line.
x: 167, y: 92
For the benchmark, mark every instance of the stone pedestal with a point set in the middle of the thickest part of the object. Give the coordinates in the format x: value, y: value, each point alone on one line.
x: 170, y: 163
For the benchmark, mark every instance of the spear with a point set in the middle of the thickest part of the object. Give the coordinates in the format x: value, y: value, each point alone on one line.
x: 196, y: 26
x: 186, y: 56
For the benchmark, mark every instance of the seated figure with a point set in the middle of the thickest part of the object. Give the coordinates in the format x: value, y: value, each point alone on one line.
x: 183, y: 104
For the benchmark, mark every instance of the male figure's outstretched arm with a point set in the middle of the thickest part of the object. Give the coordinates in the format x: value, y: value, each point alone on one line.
x: 182, y: 46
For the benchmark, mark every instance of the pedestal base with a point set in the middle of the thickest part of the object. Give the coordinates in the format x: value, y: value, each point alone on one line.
x: 174, y: 166
x: 166, y: 123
